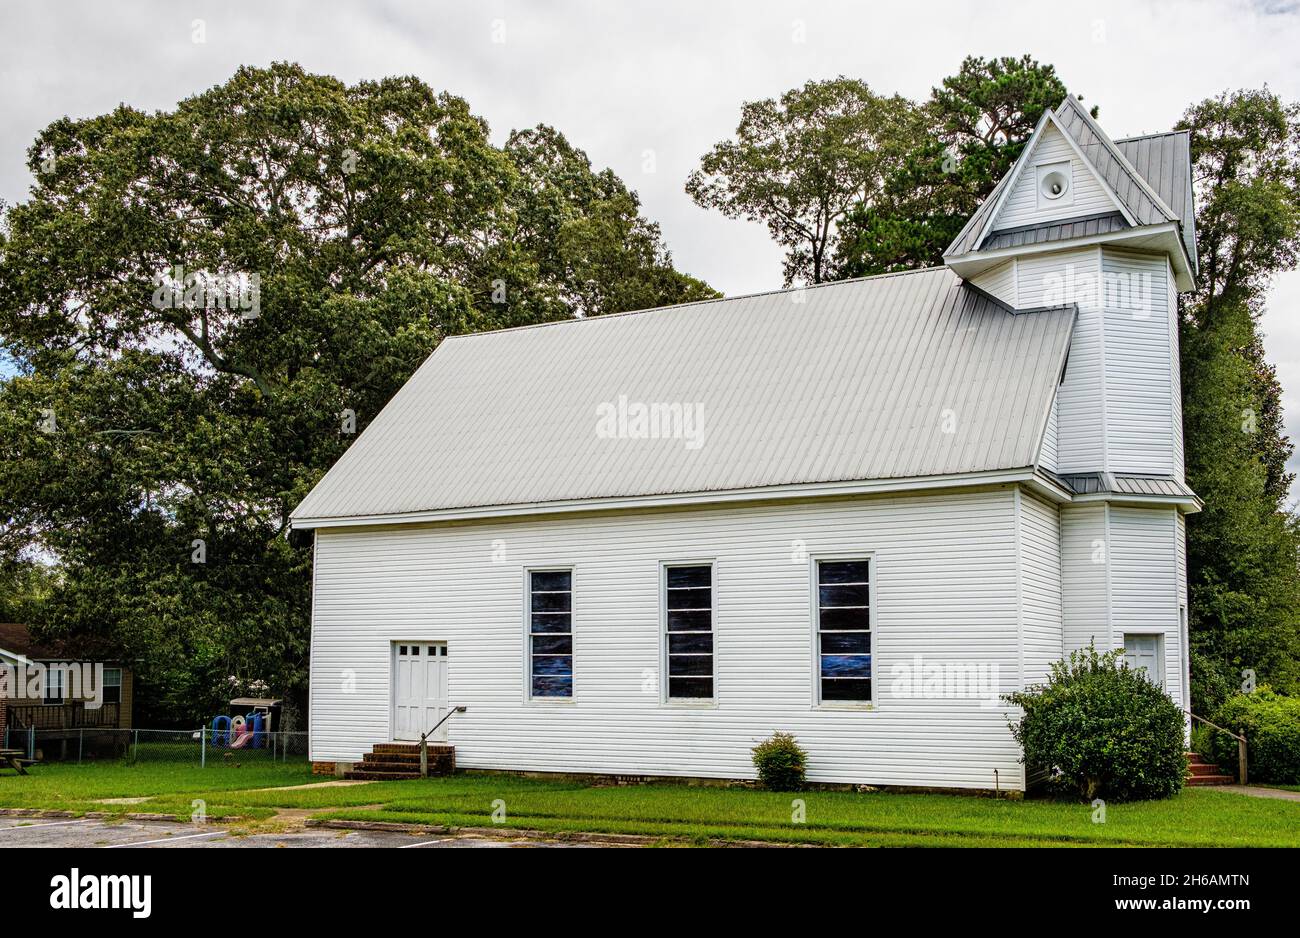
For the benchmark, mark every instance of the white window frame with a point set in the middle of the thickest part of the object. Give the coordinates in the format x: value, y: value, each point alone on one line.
x: 528, y: 633
x: 106, y: 683
x: 664, y: 567
x: 55, y: 674
x: 814, y: 601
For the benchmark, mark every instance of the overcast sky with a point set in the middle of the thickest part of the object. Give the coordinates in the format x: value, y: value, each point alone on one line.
x: 665, y: 80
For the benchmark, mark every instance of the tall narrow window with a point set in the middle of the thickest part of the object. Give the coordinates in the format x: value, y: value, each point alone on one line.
x: 550, y: 633
x: 844, y: 629
x: 112, y: 685
x: 53, y: 684
x: 688, y: 619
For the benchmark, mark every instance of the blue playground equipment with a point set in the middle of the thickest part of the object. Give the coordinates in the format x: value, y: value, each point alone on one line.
x: 240, y: 732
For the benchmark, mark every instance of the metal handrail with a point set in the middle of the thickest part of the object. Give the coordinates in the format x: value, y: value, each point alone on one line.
x: 424, y: 740
x: 1241, y: 744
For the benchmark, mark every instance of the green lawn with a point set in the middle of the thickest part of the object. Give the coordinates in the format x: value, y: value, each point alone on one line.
x: 1197, y: 817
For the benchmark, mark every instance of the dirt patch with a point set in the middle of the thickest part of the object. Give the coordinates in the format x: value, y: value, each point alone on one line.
x: 337, y: 783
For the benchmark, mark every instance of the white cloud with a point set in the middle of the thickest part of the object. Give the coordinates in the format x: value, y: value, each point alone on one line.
x: 668, y: 76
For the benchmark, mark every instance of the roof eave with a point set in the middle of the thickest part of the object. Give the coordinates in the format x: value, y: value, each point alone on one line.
x: 846, y: 488
x: 1165, y: 237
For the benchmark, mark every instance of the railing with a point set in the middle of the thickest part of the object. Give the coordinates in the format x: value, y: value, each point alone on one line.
x: 73, y: 715
x: 1241, y: 745
x: 424, y: 740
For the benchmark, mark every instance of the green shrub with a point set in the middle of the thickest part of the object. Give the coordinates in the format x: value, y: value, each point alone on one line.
x: 1271, y: 725
x: 1104, y: 729
x: 780, y: 763
x: 1203, y: 740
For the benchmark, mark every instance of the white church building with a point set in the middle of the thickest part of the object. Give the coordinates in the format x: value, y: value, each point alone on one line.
x: 858, y: 512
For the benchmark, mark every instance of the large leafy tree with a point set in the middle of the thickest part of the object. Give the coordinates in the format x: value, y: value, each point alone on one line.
x: 798, y: 164
x: 200, y: 301
x: 1242, y: 549
x: 978, y: 122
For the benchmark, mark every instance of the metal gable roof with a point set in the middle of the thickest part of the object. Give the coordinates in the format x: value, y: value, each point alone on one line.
x: 1056, y: 231
x: 1142, y: 202
x: 1165, y: 162
x: 898, y: 376
x: 1150, y: 176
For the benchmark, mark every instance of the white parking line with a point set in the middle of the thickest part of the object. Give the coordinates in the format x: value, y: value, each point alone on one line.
x: 163, y: 840
x: 425, y: 843
x: 32, y: 827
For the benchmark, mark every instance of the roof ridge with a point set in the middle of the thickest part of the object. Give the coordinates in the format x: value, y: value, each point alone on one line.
x: 1111, y: 147
x: 717, y: 299
x: 1163, y: 133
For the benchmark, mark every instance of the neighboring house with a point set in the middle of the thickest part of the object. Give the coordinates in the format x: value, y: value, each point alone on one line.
x: 638, y: 544
x: 66, y: 708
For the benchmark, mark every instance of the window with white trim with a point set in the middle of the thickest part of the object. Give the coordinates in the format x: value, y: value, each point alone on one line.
x: 550, y: 633
x: 844, y: 630
x: 688, y: 630
x: 53, y: 693
x: 112, y: 685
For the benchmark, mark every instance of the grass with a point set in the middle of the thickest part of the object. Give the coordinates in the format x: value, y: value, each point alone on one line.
x: 1197, y: 817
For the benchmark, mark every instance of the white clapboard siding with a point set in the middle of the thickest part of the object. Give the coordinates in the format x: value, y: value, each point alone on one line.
x: 1175, y: 371
x: 999, y: 281
x: 1084, y: 576
x: 1073, y: 277
x: 1180, y: 554
x: 1144, y: 582
x: 945, y: 577
x: 1140, y: 378
x: 1022, y: 203
x: 1040, y: 550
x: 1048, y: 453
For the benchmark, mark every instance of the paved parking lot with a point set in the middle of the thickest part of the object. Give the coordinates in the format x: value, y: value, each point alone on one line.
x: 56, y: 832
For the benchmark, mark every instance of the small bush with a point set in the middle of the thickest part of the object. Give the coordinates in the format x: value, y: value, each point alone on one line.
x: 1271, y: 725
x: 780, y: 762
x: 1106, y: 730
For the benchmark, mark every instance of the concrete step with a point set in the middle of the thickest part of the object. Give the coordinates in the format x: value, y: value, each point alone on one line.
x: 367, y: 776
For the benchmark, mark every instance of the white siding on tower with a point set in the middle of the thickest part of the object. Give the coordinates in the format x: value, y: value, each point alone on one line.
x: 1140, y: 380
x: 1022, y: 203
x: 1144, y: 582
x: 945, y: 580
x: 1048, y: 455
x: 999, y: 281
x: 1180, y: 555
x: 1084, y: 556
x: 1175, y: 370
x: 1073, y: 277
x: 1040, y: 565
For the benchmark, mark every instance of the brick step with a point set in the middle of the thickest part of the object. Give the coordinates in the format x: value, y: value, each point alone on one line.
x: 409, y: 748
x: 1204, y: 768
x: 1211, y: 780
x: 369, y: 765
x: 412, y: 758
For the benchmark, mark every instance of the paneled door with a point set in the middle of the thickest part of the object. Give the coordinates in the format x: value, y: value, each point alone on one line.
x: 1143, y: 651
x: 419, y: 689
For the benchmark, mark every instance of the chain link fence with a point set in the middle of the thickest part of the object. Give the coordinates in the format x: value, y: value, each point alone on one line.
x: 200, y: 747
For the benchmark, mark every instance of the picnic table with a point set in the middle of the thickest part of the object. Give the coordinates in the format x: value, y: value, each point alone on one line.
x: 14, y: 758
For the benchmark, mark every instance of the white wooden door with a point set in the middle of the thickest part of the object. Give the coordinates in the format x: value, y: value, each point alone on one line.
x: 419, y: 689
x: 1143, y: 651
